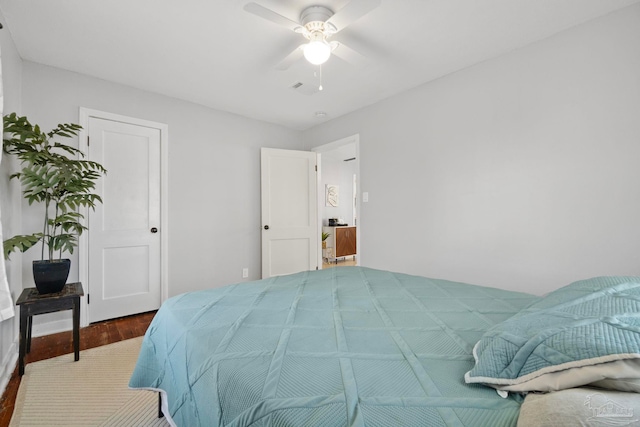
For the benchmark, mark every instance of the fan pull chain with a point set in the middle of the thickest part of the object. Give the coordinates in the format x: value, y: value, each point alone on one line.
x: 318, y: 75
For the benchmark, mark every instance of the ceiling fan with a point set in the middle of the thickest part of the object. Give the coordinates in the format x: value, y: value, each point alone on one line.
x: 317, y: 24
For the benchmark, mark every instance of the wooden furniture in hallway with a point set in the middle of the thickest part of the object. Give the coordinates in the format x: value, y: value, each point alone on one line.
x: 341, y: 242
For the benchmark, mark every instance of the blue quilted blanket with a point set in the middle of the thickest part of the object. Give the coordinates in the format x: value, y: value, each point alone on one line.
x: 585, y: 324
x: 344, y: 346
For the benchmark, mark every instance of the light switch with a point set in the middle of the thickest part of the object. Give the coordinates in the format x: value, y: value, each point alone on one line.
x: 365, y: 197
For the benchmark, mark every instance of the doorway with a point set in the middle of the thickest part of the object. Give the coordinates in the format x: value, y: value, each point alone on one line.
x: 123, y: 254
x: 339, y: 175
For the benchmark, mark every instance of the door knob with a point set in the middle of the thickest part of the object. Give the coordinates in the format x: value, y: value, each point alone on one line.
x: 154, y: 230
x: 266, y: 227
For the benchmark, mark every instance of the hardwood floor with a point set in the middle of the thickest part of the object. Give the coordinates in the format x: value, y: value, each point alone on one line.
x: 95, y: 335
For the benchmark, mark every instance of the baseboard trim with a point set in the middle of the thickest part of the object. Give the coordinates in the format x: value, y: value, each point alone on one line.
x: 53, y: 327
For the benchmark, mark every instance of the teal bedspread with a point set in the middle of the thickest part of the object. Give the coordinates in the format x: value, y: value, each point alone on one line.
x: 344, y: 346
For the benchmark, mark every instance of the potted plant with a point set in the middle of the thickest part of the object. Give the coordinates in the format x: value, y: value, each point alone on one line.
x: 325, y: 236
x: 61, y: 184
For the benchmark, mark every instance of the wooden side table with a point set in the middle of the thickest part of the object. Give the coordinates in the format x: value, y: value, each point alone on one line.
x: 31, y: 303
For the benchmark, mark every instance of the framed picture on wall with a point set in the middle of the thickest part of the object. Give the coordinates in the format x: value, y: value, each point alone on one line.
x: 332, y: 195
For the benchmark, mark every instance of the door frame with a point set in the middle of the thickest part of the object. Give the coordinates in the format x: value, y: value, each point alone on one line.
x: 85, y: 115
x: 353, y: 139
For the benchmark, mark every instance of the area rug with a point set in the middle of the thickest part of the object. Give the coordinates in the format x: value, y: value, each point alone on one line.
x: 90, y: 392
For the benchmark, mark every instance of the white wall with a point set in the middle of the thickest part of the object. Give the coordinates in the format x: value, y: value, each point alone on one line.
x: 10, y: 205
x: 214, y: 174
x: 340, y: 173
x: 520, y: 172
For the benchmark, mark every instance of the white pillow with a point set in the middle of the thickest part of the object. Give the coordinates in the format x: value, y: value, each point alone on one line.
x: 580, y: 407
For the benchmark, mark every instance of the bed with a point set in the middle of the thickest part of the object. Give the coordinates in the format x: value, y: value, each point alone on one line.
x: 346, y: 346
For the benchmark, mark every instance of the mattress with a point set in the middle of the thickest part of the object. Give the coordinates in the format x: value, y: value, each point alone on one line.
x: 346, y: 346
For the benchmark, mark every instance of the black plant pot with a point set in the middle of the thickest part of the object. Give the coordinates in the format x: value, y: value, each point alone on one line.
x: 51, y: 276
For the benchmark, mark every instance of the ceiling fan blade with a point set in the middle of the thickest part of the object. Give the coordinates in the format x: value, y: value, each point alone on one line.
x: 270, y: 15
x: 344, y: 52
x: 353, y: 11
x: 291, y: 59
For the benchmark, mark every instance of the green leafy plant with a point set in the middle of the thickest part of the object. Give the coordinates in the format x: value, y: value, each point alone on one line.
x: 48, y: 176
x: 325, y: 236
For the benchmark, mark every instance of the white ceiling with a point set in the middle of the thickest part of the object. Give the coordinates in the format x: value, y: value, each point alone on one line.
x: 213, y: 53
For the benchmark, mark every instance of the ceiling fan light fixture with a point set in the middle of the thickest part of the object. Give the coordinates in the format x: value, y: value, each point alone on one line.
x: 317, y: 51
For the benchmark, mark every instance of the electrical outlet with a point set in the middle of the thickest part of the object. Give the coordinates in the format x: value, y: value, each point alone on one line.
x: 245, y: 273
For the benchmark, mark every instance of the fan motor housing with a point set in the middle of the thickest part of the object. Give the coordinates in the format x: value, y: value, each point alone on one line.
x: 315, y: 14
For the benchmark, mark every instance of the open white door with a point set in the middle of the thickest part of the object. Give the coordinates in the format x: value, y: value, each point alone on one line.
x: 289, y: 212
x: 124, y: 255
